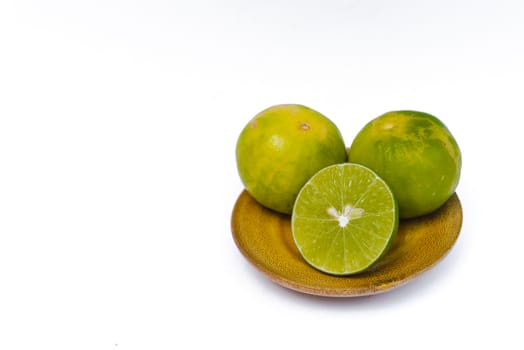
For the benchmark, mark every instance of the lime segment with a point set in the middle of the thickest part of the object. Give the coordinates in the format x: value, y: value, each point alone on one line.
x: 344, y: 219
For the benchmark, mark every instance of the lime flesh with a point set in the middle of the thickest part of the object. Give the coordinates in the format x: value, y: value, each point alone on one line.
x: 344, y: 219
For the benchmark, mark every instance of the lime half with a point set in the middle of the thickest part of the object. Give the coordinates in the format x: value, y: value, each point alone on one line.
x: 344, y: 219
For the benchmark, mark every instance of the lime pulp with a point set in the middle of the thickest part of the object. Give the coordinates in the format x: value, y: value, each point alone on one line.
x: 344, y: 219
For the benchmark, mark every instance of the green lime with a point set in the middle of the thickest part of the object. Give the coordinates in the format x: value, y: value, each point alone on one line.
x: 281, y: 148
x: 416, y: 154
x: 344, y: 219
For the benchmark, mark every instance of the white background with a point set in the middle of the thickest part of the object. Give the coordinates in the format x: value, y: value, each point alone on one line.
x: 118, y: 123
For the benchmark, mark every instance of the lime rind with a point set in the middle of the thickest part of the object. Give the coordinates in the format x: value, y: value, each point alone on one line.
x: 416, y: 154
x: 344, y: 219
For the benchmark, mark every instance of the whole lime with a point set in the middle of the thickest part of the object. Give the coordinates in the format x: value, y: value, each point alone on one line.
x: 416, y: 154
x: 279, y: 150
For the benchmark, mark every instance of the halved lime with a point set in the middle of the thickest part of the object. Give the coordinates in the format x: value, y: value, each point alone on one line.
x: 344, y: 219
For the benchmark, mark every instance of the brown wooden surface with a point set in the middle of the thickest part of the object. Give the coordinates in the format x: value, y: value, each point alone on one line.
x: 264, y: 238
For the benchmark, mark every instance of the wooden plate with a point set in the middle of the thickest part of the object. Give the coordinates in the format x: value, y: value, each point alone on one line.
x: 264, y: 238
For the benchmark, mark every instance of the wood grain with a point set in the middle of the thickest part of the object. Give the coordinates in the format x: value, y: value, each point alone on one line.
x: 264, y: 238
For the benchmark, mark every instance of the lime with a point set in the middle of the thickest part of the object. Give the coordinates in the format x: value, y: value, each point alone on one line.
x: 281, y: 148
x: 416, y: 154
x: 344, y: 219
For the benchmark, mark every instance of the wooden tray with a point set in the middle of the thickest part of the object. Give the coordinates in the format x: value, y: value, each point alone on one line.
x: 264, y: 238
